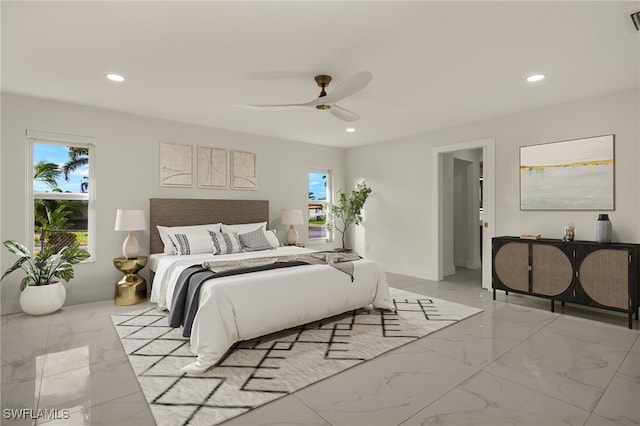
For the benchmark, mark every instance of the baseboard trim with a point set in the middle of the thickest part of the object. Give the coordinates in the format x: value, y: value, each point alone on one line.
x: 449, y: 270
x: 474, y: 264
x: 407, y: 270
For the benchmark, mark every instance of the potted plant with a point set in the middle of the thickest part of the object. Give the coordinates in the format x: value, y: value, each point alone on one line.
x: 41, y: 290
x: 347, y: 211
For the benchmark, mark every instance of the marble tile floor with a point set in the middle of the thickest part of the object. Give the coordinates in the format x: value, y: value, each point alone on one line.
x: 515, y: 363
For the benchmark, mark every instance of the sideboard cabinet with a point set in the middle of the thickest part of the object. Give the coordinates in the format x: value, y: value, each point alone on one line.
x: 581, y: 272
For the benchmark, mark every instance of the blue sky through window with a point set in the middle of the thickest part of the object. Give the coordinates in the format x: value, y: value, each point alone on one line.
x: 58, y: 154
x: 317, y: 186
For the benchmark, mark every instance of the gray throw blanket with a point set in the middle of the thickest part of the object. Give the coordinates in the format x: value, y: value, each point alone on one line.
x: 340, y: 261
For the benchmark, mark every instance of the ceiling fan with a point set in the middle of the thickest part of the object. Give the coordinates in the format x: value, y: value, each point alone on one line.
x: 327, y: 101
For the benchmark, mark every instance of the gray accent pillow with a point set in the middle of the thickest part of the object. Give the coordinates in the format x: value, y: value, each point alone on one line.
x: 255, y: 241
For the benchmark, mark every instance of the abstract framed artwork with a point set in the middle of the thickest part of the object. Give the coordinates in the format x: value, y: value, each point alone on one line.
x: 176, y: 164
x: 243, y: 170
x: 569, y: 175
x: 212, y: 167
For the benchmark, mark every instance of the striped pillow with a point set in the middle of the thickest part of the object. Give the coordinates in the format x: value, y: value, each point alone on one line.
x: 166, y: 232
x: 225, y: 242
x: 191, y: 243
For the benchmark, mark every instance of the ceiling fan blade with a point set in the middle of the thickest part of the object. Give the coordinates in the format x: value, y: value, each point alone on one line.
x: 348, y: 87
x: 311, y: 103
x: 343, y: 113
x: 282, y: 106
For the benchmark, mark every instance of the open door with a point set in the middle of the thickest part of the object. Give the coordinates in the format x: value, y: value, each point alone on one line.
x: 488, y: 214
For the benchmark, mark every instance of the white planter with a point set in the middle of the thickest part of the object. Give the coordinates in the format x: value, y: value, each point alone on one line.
x: 42, y: 299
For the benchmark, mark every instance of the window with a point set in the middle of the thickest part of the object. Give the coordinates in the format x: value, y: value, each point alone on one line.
x: 62, y: 184
x: 319, y: 198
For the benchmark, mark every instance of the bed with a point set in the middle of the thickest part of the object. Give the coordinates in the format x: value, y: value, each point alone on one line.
x: 248, y: 305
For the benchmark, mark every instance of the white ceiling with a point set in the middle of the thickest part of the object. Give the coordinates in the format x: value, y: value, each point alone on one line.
x: 434, y: 64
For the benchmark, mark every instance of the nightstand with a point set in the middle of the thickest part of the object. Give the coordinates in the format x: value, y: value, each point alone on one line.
x: 132, y: 288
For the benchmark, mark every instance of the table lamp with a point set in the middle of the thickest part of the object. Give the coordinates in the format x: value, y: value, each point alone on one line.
x: 292, y: 217
x: 130, y: 220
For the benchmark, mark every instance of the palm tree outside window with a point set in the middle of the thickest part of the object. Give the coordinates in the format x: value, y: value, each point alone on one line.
x: 62, y: 182
x: 319, y: 184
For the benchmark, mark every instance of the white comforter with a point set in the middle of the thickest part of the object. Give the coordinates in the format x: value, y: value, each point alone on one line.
x: 245, y: 306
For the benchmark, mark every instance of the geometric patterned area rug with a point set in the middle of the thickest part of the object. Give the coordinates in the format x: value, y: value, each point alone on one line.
x: 261, y: 370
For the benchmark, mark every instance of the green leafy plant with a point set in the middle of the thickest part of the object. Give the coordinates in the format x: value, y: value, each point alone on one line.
x: 347, y: 210
x: 48, y: 264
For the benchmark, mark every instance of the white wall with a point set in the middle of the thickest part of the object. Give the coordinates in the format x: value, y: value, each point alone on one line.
x: 399, y: 213
x: 127, y: 150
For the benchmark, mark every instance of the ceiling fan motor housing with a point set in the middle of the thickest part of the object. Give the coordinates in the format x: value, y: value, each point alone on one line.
x: 323, y: 81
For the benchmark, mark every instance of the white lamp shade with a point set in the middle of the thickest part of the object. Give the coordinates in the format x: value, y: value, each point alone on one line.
x: 130, y: 220
x: 291, y: 217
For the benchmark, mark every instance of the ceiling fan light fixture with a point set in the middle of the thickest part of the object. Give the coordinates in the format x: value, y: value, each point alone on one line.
x: 322, y: 106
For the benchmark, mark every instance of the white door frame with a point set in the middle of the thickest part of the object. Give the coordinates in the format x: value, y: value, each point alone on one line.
x: 488, y: 203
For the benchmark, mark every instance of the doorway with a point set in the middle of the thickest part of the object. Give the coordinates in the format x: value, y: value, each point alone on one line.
x: 443, y: 223
x: 465, y: 234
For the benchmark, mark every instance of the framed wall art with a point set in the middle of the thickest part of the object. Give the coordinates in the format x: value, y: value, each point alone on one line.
x: 212, y: 167
x: 569, y: 175
x: 243, y: 170
x: 176, y: 164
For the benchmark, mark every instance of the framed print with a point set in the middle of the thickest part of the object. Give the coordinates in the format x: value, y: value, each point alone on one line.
x: 212, y: 167
x: 243, y: 170
x: 569, y: 175
x: 176, y: 164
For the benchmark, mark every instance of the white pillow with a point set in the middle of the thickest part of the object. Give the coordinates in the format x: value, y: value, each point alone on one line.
x: 165, y: 231
x: 244, y: 227
x: 194, y: 243
x: 272, y: 238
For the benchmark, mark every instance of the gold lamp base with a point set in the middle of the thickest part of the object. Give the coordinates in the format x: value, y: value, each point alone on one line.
x: 131, y: 289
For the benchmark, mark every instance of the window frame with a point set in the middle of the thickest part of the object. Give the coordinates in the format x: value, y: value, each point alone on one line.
x: 329, y: 173
x: 40, y: 137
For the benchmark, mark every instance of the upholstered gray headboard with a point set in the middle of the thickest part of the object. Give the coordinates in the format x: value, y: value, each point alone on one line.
x: 184, y: 211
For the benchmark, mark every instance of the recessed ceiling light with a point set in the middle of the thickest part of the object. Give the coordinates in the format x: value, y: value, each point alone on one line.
x: 350, y: 130
x: 535, y: 77
x: 115, y: 77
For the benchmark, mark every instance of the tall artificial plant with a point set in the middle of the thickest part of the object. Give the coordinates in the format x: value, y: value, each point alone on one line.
x: 47, y: 265
x: 347, y: 210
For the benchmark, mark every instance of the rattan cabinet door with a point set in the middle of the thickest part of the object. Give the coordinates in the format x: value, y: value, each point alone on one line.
x: 551, y: 270
x: 604, y: 277
x: 511, y: 266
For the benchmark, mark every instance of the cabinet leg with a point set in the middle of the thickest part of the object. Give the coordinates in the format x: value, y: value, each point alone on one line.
x: 553, y: 305
x: 562, y: 303
x: 631, y: 320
